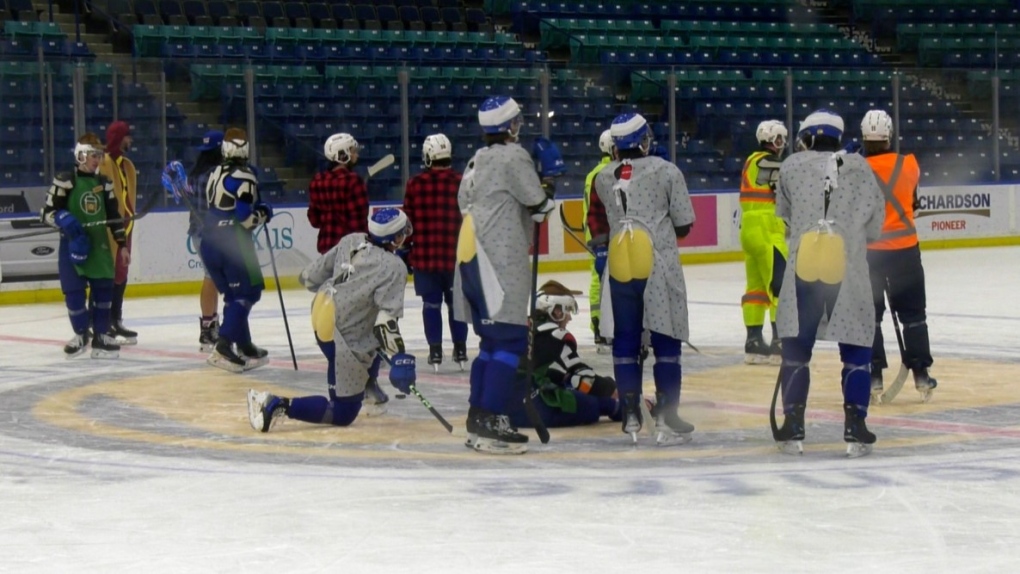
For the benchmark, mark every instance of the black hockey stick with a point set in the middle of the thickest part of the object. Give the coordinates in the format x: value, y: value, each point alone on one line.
x: 414, y: 391
x: 279, y: 292
x: 573, y: 232
x: 140, y: 214
x: 529, y: 406
x: 772, y: 409
x: 901, y: 376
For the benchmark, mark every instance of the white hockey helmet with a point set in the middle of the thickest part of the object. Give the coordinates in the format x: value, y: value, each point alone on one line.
x: 876, y: 126
x: 436, y: 146
x: 339, y: 148
x: 553, y: 295
x: 235, y: 144
x: 771, y: 130
x: 88, y: 145
x: 606, y: 142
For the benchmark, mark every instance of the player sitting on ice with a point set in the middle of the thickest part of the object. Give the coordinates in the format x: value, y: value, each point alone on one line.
x: 359, y: 297
x: 571, y: 393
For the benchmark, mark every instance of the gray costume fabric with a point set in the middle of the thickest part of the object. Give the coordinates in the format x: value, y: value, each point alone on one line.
x: 499, y: 185
x: 363, y: 279
x: 856, y: 209
x: 657, y: 201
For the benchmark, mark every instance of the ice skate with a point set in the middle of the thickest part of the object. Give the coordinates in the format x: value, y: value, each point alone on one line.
x: 877, y: 386
x: 224, y: 357
x: 105, y: 347
x: 77, y: 345
x: 436, y: 356
x: 375, y: 400
x: 756, y: 352
x: 790, y: 437
x: 210, y: 331
x: 776, y: 351
x: 858, y: 438
x: 471, y: 424
x: 632, y: 418
x: 254, y: 357
x: 122, y: 334
x: 670, y: 429
x: 924, y: 384
x: 460, y: 355
x: 603, y: 346
x: 497, y: 436
x: 265, y: 410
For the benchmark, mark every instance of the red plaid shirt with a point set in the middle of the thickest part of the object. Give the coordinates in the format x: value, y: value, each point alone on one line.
x: 598, y: 224
x: 430, y: 202
x: 337, y: 205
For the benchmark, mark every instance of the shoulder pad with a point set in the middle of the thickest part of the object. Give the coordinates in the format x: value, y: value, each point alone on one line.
x: 64, y: 180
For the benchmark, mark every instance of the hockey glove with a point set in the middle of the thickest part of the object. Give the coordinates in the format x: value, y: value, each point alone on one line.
x: 68, y: 224
x: 540, y: 211
x: 601, y: 256
x: 78, y: 249
x: 852, y: 147
x: 402, y: 372
x: 264, y: 210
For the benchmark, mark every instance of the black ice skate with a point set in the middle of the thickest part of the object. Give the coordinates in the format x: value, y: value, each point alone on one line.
x: 105, y: 347
x: 123, y: 335
x: 497, y: 436
x: 924, y: 384
x: 254, y: 357
x: 265, y: 410
x: 224, y: 357
x: 375, y: 400
x: 858, y: 438
x: 210, y: 331
x: 670, y: 429
x: 756, y: 352
x: 790, y: 437
x: 460, y: 355
x: 632, y: 417
x: 436, y: 356
x: 78, y: 344
x: 877, y: 386
x: 472, y: 427
x: 776, y: 351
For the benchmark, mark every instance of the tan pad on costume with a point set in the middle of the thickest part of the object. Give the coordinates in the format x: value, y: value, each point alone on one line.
x: 631, y: 254
x: 466, y: 248
x: 323, y: 316
x: 821, y: 257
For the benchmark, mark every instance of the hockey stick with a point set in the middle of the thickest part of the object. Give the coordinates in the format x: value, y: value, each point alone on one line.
x: 529, y: 406
x: 386, y: 161
x: 901, y: 376
x: 772, y: 409
x: 140, y: 214
x: 414, y: 390
x: 279, y: 292
x: 573, y: 232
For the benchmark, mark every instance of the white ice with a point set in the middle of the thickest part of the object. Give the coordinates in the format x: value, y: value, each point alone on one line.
x: 140, y: 490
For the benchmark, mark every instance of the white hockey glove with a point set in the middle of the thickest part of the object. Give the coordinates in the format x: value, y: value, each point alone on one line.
x: 388, y: 334
x: 540, y: 211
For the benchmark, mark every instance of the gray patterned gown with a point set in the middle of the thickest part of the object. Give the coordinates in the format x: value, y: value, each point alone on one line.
x: 657, y: 201
x: 363, y: 279
x: 496, y: 193
x: 857, y: 209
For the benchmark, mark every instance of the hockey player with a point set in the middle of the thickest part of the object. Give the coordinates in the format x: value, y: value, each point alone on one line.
x: 895, y: 259
x: 210, y: 155
x: 121, y: 171
x: 502, y: 199
x: 236, y: 210
x: 359, y: 287
x: 79, y: 203
x: 833, y: 208
x: 639, y: 208
x: 763, y: 240
x: 430, y: 201
x: 569, y: 392
x: 594, y: 292
x: 337, y: 197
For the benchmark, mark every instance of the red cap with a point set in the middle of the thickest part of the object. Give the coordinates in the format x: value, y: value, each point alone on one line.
x: 115, y: 135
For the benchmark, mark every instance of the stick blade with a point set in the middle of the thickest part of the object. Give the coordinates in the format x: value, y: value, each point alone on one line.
x: 386, y: 161
x: 896, y: 386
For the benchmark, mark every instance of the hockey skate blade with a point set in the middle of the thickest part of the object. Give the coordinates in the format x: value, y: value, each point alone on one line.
x: 126, y: 341
x: 207, y: 348
x: 374, y: 409
x: 794, y: 447
x: 255, y: 418
x: 101, y: 354
x: 254, y: 363
x: 926, y: 394
x: 775, y: 360
x: 752, y: 359
x: 876, y: 396
x: 896, y: 386
x: 670, y: 438
x: 490, y: 446
x: 857, y: 449
x: 77, y: 353
x: 220, y: 362
x: 646, y: 414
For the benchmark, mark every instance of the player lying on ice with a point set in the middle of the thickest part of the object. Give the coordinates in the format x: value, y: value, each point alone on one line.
x: 359, y: 287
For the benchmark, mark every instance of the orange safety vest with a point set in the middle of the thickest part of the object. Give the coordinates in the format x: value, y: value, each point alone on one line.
x: 897, y: 177
x: 754, y: 197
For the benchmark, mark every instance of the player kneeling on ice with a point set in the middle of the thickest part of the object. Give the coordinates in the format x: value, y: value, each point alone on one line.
x: 570, y: 392
x: 832, y: 207
x: 359, y: 297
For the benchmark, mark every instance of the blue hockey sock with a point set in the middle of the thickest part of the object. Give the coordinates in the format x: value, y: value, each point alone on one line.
x: 76, y: 311
x: 478, y: 367
x: 499, y: 381
x: 432, y: 317
x: 667, y: 375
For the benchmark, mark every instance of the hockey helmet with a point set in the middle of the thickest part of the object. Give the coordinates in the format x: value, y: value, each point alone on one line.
x: 500, y: 114
x: 88, y: 145
x: 631, y: 131
x: 235, y: 144
x: 606, y: 143
x: 822, y: 122
x: 553, y: 295
x: 771, y: 130
x: 876, y: 126
x: 389, y: 225
x: 436, y: 146
x: 340, y: 148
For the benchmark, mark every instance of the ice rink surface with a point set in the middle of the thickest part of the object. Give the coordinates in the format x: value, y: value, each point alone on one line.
x: 148, y: 463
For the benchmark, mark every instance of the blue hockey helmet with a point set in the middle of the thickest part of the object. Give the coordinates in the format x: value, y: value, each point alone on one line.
x: 630, y: 131
x: 549, y: 159
x: 822, y: 122
x: 500, y: 114
x: 388, y: 224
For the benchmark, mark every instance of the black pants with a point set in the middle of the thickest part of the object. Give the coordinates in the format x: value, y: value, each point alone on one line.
x: 900, y: 274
